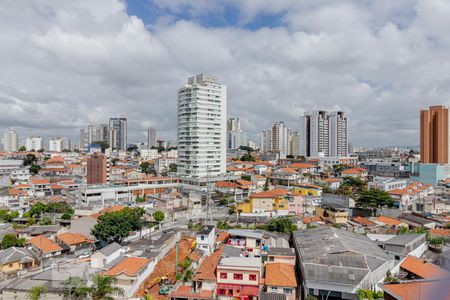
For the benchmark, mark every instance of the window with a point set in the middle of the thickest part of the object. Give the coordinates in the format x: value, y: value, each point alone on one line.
x: 287, y: 291
x: 223, y: 275
x: 274, y: 289
x: 252, y: 277
x: 202, y: 237
x: 238, y: 276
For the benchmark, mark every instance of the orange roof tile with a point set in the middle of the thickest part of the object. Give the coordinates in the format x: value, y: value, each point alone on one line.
x: 354, y: 171
x: 332, y: 179
x: 278, y: 274
x: 440, y: 232
x: 129, y: 266
x: 22, y: 186
x: 16, y: 192
x: 423, y: 268
x: 308, y: 185
x: 207, y: 269
x: 302, y: 165
x: 270, y: 194
x: 226, y: 184
x: 108, y: 210
x: 389, y: 220
x: 45, y: 245
x: 364, y: 221
x: 185, y: 292
x: 40, y: 181
x: 222, y: 237
x: 289, y: 170
x: 73, y: 238
x: 244, y: 182
x: 418, y: 290
x: 307, y: 220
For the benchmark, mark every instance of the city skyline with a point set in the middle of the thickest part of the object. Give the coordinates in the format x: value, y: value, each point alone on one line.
x: 384, y: 55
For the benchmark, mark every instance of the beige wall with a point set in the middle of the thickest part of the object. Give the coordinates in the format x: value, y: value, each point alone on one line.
x: 245, y: 280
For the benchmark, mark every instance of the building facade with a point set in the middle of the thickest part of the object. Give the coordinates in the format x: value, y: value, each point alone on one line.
x: 118, y: 133
x: 97, y: 169
x: 33, y: 143
x: 151, y: 137
x: 434, y: 135
x: 201, y: 128
x: 235, y: 136
x: 10, y: 140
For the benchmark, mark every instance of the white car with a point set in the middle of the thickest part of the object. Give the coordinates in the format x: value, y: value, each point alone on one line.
x: 85, y: 255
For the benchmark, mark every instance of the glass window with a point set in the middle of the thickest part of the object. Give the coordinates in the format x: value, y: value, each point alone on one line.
x: 238, y: 276
x: 223, y: 275
x: 252, y: 277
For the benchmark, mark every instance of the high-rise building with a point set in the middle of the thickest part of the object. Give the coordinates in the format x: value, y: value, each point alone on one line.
x: 235, y: 136
x: 33, y: 143
x: 97, y: 169
x: 55, y: 145
x: 66, y: 144
x: 201, y: 128
x: 323, y: 134
x: 87, y: 136
x: 280, y: 137
x: 118, y: 128
x: 103, y: 133
x: 294, y: 143
x: 10, y: 140
x: 151, y: 137
x: 266, y: 140
x: 434, y: 135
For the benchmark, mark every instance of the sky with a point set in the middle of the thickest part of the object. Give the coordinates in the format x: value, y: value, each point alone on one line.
x: 67, y: 64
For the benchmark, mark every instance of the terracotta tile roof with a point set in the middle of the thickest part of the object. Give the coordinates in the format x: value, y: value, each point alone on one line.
x: 259, y: 177
x: 226, y: 184
x: 307, y: 220
x: 55, y: 160
x: 207, y: 269
x: 22, y: 186
x: 56, y: 187
x: 412, y: 189
x: 354, y: 171
x: 222, y: 237
x: 270, y: 194
x: 440, y: 232
x: 308, y: 185
x: 364, y: 221
x: 45, y: 245
x: 129, y: 266
x: 289, y: 170
x: 332, y: 179
x: 108, y: 210
x: 195, y: 256
x: 418, y: 290
x: 185, y: 292
x: 423, y: 268
x: 245, y: 182
x: 73, y: 238
x: 278, y: 274
x: 16, y: 192
x: 302, y: 166
x: 389, y: 220
x: 40, y: 181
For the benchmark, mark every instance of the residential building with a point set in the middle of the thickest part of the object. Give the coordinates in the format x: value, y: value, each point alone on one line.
x: 280, y: 139
x: 434, y: 135
x: 118, y: 133
x: 417, y: 289
x: 235, y: 136
x: 45, y: 247
x: 87, y: 135
x: 33, y: 143
x: 239, y: 277
x: 402, y: 245
x: 270, y: 204
x: 206, y: 239
x: 337, y: 263
x: 246, y: 239
x: 266, y: 140
x: 332, y: 213
x: 280, y: 278
x: 323, y: 134
x: 201, y: 129
x: 103, y: 133
x: 151, y: 137
x: 10, y: 140
x: 106, y: 255
x: 387, y: 183
x: 294, y: 143
x: 149, y: 154
x: 55, y: 145
x: 97, y: 169
x: 16, y: 259
x: 417, y: 268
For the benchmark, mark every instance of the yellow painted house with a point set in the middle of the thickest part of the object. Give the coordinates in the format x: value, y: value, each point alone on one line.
x: 332, y: 214
x: 307, y: 189
x: 16, y: 259
x: 270, y: 203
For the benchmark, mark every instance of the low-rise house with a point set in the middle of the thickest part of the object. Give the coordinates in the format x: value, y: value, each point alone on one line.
x: 248, y: 239
x: 39, y: 230
x: 417, y: 290
x: 75, y: 241
x: 205, y: 278
x: 355, y: 172
x: 332, y: 213
x: 279, y: 255
x: 407, y: 196
x: 130, y: 273
x: 83, y: 225
x: 238, y: 277
x: 16, y: 259
x: 106, y: 255
x: 280, y: 279
x: 269, y: 203
x: 400, y: 246
x: 387, y: 183
x: 307, y: 189
x: 333, y: 182
x: 364, y: 222
x: 45, y: 247
x: 440, y: 232
x: 417, y: 268
x: 389, y: 222
x: 415, y: 220
x: 206, y: 239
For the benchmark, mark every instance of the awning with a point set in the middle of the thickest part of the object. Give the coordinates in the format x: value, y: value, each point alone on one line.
x: 249, y: 291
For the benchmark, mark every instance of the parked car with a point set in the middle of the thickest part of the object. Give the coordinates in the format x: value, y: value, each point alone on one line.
x: 85, y: 255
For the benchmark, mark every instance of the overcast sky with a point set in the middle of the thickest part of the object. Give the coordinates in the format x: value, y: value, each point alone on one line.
x: 66, y: 64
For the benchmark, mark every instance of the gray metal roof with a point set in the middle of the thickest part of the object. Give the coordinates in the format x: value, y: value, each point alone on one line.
x: 241, y: 261
x: 230, y: 251
x: 281, y: 251
x: 110, y: 249
x: 335, y: 255
x: 246, y: 233
x: 403, y: 239
x: 206, y: 229
x: 15, y: 254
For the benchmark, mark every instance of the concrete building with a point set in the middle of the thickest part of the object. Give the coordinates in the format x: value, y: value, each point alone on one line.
x: 55, y: 145
x: 33, y: 143
x: 149, y: 154
x: 118, y: 133
x: 10, y: 140
x: 323, y: 134
x: 151, y: 137
x: 294, y: 143
x: 336, y: 263
x: 201, y: 128
x: 88, y: 135
x: 280, y: 139
x: 97, y: 169
x: 266, y: 140
x: 387, y: 184
x: 434, y: 135
x: 235, y: 136
x: 103, y: 133
x: 206, y: 239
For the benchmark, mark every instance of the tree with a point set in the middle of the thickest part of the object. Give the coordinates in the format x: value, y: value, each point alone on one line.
x: 22, y: 148
x: 36, y: 292
x: 41, y: 150
x: 354, y: 184
x: 66, y: 216
x: 103, y: 145
x: 374, y: 199
x: 75, y: 288
x: 158, y: 216
x: 246, y: 177
x: 246, y: 148
x: 103, y: 287
x: 147, y: 168
x: 46, y: 221
x: 266, y: 185
x: 115, y: 226
x: 29, y: 159
x: 34, y: 169
x: 140, y: 199
x: 7, y: 216
x: 172, y: 168
x: 282, y: 225
x: 247, y: 157
x: 11, y: 240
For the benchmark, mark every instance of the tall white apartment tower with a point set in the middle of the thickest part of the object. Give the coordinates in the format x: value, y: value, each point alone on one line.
x: 280, y: 138
x: 202, y: 127
x: 10, y: 140
x: 323, y: 134
x: 235, y: 136
x: 151, y: 136
x: 118, y: 133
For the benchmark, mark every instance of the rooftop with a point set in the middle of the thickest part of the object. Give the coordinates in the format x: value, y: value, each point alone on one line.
x: 278, y: 274
x: 423, y: 269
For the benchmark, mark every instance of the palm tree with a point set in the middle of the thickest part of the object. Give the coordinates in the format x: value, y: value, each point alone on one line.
x: 75, y: 288
x: 36, y: 292
x: 103, y: 288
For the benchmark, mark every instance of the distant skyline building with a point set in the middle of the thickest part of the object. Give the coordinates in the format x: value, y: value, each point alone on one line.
x: 103, y: 133
x: 33, y: 143
x: 202, y: 127
x: 280, y: 137
x: 97, y: 169
x: 88, y: 135
x: 118, y: 133
x: 55, y: 145
x: 266, y: 140
x: 151, y: 137
x: 235, y: 136
x: 434, y: 135
x: 294, y: 143
x: 11, y: 140
x: 323, y: 133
